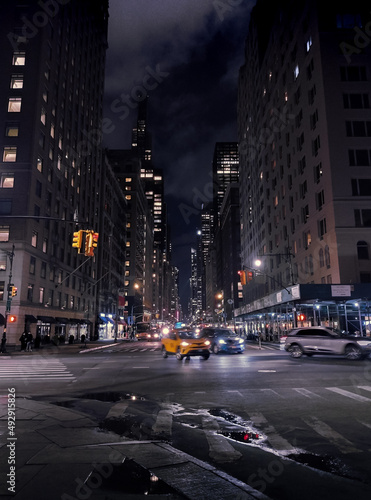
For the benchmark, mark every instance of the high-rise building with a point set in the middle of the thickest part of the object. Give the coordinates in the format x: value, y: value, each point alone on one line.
x: 51, y: 96
x: 225, y: 171
x: 305, y: 143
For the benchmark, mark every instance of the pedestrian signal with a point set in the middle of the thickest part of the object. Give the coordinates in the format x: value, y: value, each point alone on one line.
x: 12, y: 318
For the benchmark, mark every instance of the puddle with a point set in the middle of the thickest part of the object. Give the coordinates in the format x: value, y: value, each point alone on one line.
x: 129, y: 478
x: 240, y: 436
x: 127, y: 426
x: 324, y: 463
x: 229, y: 417
x: 111, y: 396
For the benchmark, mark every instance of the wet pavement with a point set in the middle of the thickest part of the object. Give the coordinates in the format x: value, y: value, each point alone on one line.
x: 63, y: 454
x: 60, y: 453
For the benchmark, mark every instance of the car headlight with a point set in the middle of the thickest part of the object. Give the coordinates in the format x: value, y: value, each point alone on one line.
x: 207, y: 342
x: 364, y: 342
x: 221, y: 341
x: 184, y: 343
x: 240, y: 341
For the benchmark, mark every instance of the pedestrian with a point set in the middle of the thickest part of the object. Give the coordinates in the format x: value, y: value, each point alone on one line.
x: 29, y: 341
x: 37, y: 341
x: 23, y: 340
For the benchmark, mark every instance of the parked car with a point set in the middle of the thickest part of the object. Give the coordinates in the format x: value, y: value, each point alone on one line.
x: 184, y: 343
x: 223, y: 340
x: 322, y: 340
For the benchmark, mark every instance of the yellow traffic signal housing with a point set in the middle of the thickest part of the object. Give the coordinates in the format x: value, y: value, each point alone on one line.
x: 242, y: 277
x: 95, y: 237
x: 14, y: 291
x: 77, y: 240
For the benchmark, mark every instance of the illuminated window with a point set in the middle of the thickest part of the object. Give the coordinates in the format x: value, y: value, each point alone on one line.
x: 16, y: 82
x: 19, y: 59
x: 4, y: 233
x: 128, y: 197
x: 39, y: 164
x: 43, y: 116
x: 34, y: 239
x: 14, y: 104
x: 7, y: 181
x: 10, y: 153
x: 12, y: 131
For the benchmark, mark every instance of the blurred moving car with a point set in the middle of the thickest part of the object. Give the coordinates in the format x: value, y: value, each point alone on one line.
x: 184, y: 343
x: 223, y: 340
x: 145, y: 332
x: 322, y: 340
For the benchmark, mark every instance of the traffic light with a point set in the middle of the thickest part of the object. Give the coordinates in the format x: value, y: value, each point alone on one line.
x: 95, y: 240
x: 242, y: 277
x: 12, y: 318
x: 77, y: 239
x: 250, y: 275
x: 14, y: 291
x: 301, y: 317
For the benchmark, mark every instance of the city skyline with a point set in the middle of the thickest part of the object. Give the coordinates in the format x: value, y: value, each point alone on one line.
x: 187, y: 57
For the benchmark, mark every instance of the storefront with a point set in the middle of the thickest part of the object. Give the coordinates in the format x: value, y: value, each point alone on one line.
x: 344, y: 307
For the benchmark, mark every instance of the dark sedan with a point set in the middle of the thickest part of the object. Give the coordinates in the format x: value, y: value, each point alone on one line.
x: 223, y: 340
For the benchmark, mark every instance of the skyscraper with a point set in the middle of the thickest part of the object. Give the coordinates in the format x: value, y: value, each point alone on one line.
x: 51, y: 94
x: 303, y: 109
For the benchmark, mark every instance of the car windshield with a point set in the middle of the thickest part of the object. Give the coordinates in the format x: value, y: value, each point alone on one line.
x: 226, y: 333
x: 189, y: 335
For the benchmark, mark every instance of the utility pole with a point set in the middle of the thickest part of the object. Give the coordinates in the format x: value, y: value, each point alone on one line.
x: 8, y: 301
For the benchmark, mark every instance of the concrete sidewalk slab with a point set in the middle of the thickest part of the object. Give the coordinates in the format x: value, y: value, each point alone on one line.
x: 58, y: 451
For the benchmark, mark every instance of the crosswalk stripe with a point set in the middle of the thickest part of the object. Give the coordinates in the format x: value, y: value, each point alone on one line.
x: 306, y: 393
x: 117, y: 410
x: 276, y: 441
x: 327, y: 432
x: 348, y: 394
x: 164, y: 422
x: 51, y: 370
x: 364, y: 387
x: 220, y: 449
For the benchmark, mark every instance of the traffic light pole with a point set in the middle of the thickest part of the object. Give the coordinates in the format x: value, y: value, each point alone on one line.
x: 9, y: 301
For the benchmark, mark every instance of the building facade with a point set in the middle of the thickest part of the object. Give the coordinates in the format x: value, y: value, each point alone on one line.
x: 51, y: 96
x: 303, y: 108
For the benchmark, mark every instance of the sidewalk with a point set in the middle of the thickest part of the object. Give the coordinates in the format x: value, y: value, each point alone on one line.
x: 76, y: 347
x: 62, y: 454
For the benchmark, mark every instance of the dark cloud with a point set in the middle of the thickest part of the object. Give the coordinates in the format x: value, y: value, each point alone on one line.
x: 188, y: 52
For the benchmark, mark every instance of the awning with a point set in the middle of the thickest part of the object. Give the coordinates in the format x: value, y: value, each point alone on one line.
x: 62, y: 320
x: 2, y: 320
x: 46, y: 319
x: 102, y: 319
x: 29, y: 318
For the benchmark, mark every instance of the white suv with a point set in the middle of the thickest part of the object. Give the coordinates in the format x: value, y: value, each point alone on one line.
x: 322, y: 340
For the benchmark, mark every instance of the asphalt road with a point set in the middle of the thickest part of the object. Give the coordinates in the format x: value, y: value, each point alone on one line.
x: 289, y: 428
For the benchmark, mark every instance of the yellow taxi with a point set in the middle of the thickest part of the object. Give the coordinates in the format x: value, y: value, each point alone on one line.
x: 184, y: 343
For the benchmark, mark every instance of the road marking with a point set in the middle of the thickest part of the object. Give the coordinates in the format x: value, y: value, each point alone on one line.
x: 277, y: 442
x: 348, y: 394
x: 267, y: 371
x: 117, y: 410
x: 164, y: 422
x: 364, y: 387
x: 220, y: 449
x: 334, y: 437
x: 236, y: 392
x: 306, y: 393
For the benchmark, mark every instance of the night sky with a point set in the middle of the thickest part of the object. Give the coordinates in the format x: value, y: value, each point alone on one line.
x: 187, y: 54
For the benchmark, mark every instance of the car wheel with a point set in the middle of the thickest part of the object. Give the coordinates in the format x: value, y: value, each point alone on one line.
x: 178, y: 355
x: 215, y: 349
x: 296, y: 351
x: 353, y: 352
x: 164, y: 353
x: 309, y: 355
x: 206, y: 355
